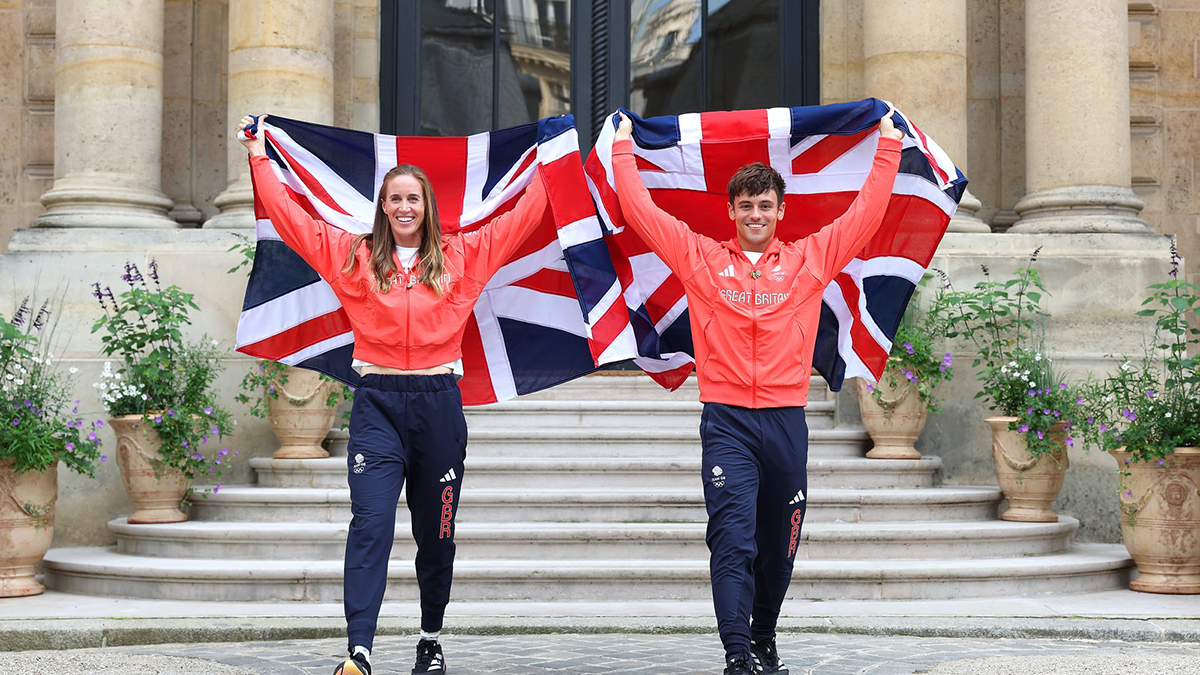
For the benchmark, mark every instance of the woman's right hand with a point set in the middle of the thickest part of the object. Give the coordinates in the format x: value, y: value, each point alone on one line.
x: 255, y: 146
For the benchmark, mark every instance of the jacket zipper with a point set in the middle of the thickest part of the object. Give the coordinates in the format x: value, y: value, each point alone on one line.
x: 753, y: 338
x: 408, y: 284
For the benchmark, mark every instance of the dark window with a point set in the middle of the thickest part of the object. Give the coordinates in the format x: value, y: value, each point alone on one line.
x: 464, y: 66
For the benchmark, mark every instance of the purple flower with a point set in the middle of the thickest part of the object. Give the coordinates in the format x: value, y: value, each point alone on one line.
x: 271, y: 389
x: 1070, y: 442
x: 217, y: 487
x: 1150, y: 393
x: 158, y: 419
x: 27, y: 403
x: 870, y: 387
x: 1103, y: 428
x: 99, y: 423
x: 942, y: 367
x: 70, y: 446
x: 16, y: 421
x: 1029, y: 411
x: 351, y: 389
x: 1128, y: 494
x: 1079, y: 400
x: 1090, y: 420
x: 1039, y: 433
x: 1024, y: 428
x: 207, y: 410
x: 223, y: 452
x: 1057, y: 413
x: 1046, y: 411
x: 1160, y: 461
x: 170, y: 412
x: 908, y: 346
x: 103, y: 458
x: 185, y: 443
x: 1031, y: 392
x: 1062, y: 385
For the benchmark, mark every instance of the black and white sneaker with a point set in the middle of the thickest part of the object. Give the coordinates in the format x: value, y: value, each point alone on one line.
x: 766, y: 658
x: 429, y: 658
x: 738, y: 665
x: 357, y: 664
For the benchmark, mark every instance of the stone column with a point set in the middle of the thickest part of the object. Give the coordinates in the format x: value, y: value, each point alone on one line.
x: 280, y: 62
x: 915, y: 55
x: 1077, y: 170
x: 108, y: 89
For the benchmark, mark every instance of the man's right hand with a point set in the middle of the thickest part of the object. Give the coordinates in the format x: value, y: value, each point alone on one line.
x: 255, y: 146
x: 624, y: 129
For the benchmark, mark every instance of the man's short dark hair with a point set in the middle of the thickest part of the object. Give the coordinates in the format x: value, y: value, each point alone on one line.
x: 756, y: 179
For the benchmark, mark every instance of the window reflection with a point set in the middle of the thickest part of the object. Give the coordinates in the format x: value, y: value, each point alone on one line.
x: 461, y: 62
x: 743, y: 54
x: 664, y: 59
x: 456, y: 67
x: 536, y: 36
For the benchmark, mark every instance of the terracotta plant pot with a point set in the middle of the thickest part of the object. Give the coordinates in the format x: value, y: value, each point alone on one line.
x: 1030, y: 484
x: 895, y: 425
x: 1160, y: 520
x: 156, y: 490
x: 299, y: 416
x: 26, y: 527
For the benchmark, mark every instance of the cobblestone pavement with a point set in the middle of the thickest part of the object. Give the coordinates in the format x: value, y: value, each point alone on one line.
x: 533, y: 654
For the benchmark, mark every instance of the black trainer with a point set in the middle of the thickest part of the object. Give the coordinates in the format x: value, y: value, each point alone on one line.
x: 766, y: 658
x: 357, y: 664
x: 738, y: 665
x: 429, y: 658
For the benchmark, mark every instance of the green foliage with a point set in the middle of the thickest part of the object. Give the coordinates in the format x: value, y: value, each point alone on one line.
x: 914, y: 358
x: 1150, y: 407
x: 162, y: 377
x: 36, y: 431
x: 1004, y: 320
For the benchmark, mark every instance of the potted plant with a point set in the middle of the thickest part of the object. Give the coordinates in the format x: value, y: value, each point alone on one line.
x: 300, y: 403
x: 894, y: 409
x: 1147, y: 417
x: 36, y: 433
x: 1035, y: 407
x: 160, y: 395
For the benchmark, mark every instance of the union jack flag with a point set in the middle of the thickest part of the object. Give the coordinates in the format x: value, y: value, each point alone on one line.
x: 636, y: 308
x: 527, y: 333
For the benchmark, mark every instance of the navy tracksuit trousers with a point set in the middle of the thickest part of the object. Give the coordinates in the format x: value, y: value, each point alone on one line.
x: 402, y: 427
x: 755, y: 489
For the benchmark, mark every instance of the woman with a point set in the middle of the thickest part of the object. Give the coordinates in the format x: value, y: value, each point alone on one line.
x: 408, y: 291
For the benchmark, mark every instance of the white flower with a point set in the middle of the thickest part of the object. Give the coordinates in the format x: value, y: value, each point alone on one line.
x: 37, y: 359
x: 1004, y: 370
x: 8, y: 376
x: 215, y: 343
x: 72, y: 370
x: 1032, y: 383
x: 1012, y: 363
x: 20, y: 382
x: 1168, y: 414
x: 1037, y: 357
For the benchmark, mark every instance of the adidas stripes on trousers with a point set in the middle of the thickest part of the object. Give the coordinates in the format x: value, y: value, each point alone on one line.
x: 755, y: 490
x: 402, y: 427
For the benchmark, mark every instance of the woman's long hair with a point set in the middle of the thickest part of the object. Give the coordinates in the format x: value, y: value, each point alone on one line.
x: 431, y: 264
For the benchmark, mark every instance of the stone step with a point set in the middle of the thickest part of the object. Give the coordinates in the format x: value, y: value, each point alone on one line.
x: 584, y: 472
x: 628, y: 385
x: 281, y: 505
x: 102, y: 571
x: 605, y: 541
x: 610, y: 414
x: 620, y: 441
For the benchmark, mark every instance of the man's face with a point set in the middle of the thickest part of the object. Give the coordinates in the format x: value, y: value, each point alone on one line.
x: 755, y: 217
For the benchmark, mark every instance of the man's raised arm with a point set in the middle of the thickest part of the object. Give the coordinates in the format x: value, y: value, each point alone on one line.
x: 671, y: 239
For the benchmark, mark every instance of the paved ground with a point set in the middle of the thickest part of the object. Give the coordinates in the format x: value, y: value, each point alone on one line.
x: 633, y: 653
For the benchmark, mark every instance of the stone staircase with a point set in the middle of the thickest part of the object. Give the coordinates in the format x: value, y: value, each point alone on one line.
x: 591, y: 492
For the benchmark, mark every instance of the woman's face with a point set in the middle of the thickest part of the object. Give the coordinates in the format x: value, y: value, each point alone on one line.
x: 404, y: 205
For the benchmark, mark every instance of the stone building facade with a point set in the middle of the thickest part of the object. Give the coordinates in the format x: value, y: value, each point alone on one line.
x: 1077, y: 121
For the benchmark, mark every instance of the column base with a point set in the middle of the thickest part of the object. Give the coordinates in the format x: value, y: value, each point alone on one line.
x: 237, y: 208
x: 98, y: 201
x: 1082, y: 209
x: 966, y: 218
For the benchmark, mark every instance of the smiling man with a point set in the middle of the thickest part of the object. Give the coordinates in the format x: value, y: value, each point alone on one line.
x: 754, y: 303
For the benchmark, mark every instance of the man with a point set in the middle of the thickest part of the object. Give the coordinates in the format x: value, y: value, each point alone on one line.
x: 754, y: 304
